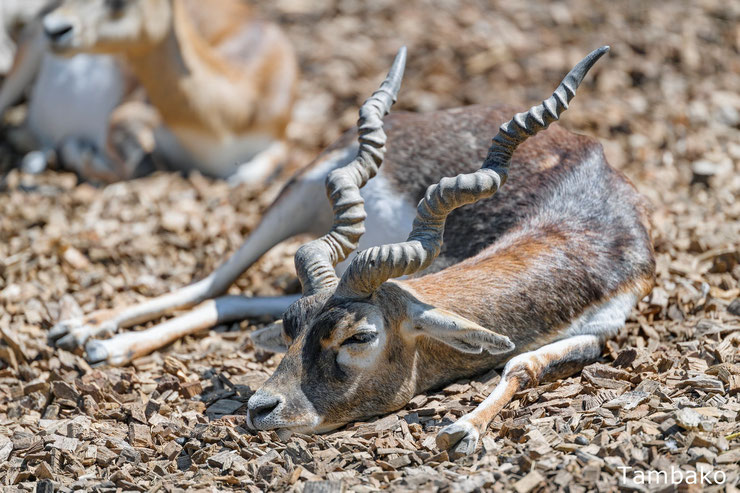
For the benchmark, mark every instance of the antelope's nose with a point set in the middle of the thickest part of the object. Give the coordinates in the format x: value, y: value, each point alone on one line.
x: 57, y: 28
x: 261, y: 405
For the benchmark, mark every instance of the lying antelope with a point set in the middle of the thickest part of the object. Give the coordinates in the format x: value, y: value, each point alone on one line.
x: 222, y: 82
x: 71, y: 110
x: 535, y: 279
x: 14, y: 14
x: 551, y: 264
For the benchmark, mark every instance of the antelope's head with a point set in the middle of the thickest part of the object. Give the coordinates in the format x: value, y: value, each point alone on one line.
x: 107, y: 26
x: 353, y: 344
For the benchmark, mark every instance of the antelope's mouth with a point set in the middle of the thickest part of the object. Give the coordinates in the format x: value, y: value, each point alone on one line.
x: 60, y: 33
x: 307, y: 425
x: 304, y: 426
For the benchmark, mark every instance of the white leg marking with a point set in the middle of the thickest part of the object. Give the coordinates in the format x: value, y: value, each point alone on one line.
x: 462, y: 436
x: 605, y: 319
x: 123, y: 348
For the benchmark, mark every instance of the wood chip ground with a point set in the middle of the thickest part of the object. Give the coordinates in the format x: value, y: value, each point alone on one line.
x: 666, y: 106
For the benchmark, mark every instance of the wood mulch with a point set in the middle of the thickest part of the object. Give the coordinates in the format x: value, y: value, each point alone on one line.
x: 666, y: 394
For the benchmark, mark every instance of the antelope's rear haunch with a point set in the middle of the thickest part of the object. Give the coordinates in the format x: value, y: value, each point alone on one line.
x: 536, y: 279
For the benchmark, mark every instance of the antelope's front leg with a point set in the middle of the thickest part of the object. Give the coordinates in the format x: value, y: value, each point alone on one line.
x: 261, y: 166
x: 557, y: 360
x: 84, y: 158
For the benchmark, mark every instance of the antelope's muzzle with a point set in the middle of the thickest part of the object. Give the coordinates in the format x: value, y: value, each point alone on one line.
x: 264, y: 408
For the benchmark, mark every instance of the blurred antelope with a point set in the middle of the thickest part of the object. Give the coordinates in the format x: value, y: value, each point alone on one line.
x: 72, y: 109
x: 535, y: 280
x: 14, y: 15
x: 222, y: 82
x: 538, y: 275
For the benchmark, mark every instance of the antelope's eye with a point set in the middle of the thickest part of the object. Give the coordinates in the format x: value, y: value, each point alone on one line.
x: 360, y: 338
x: 117, y: 6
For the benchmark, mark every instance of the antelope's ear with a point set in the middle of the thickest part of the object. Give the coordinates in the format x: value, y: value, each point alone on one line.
x: 456, y: 331
x: 270, y: 338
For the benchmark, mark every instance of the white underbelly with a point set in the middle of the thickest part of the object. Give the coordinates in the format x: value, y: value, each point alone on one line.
x: 390, y: 215
x: 220, y: 157
x: 74, y: 98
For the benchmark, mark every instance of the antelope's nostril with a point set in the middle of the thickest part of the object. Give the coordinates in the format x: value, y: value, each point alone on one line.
x: 57, y: 29
x: 262, y: 405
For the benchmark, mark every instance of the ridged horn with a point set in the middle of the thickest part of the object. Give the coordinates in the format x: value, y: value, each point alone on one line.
x: 315, y: 261
x: 374, y: 266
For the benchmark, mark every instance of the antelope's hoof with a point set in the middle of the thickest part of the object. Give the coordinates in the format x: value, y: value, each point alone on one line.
x: 96, y: 353
x: 73, y: 333
x: 68, y: 334
x: 459, y: 439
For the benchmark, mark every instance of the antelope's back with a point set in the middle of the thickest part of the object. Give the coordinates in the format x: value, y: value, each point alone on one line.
x: 564, y: 234
x: 558, y: 182
x: 555, y: 177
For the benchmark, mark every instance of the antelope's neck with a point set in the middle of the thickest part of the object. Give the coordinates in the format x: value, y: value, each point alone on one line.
x: 438, y: 365
x: 190, y: 85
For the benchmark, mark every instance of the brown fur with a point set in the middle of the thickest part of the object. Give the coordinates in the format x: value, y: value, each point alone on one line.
x: 177, y: 73
x: 211, y: 68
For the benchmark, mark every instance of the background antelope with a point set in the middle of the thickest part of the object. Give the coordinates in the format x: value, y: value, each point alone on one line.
x: 537, y: 279
x: 71, y: 110
x: 222, y: 83
x: 14, y: 15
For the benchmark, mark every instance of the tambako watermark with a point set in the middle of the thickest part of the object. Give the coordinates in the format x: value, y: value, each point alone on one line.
x: 674, y: 476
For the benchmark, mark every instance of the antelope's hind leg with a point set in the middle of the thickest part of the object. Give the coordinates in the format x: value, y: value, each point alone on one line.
x: 123, y: 348
x: 557, y: 360
x: 296, y: 211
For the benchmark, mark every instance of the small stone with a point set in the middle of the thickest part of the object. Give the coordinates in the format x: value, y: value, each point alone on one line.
x: 222, y: 407
x: 184, y: 462
x: 689, y: 419
x: 45, y: 486
x: 76, y: 259
x: 34, y: 162
x: 702, y: 171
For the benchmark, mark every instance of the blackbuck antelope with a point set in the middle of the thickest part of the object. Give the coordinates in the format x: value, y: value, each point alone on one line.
x: 537, y: 275
x: 14, y: 15
x: 72, y: 108
x: 222, y: 83
x: 535, y: 279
